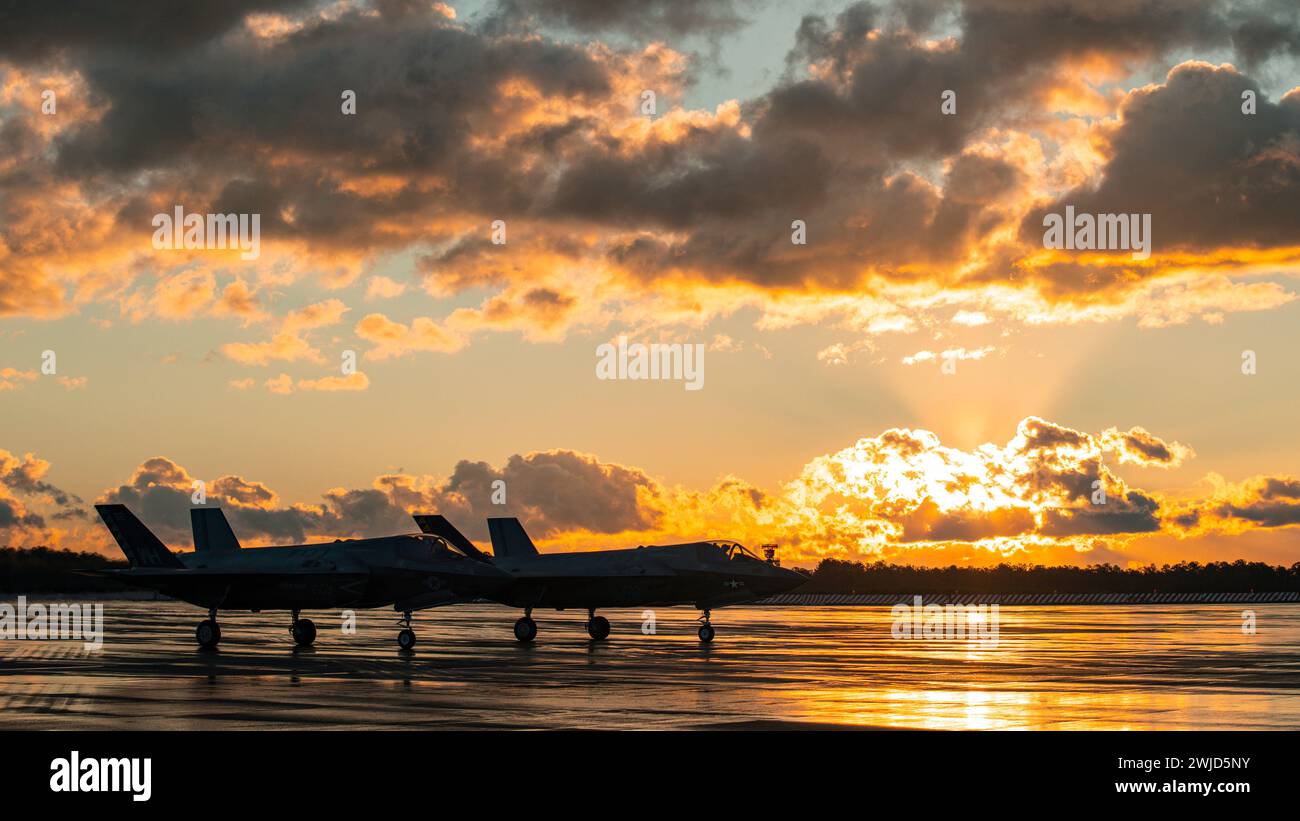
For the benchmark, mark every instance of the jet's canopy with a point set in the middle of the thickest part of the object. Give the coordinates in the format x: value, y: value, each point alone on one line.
x: 733, y: 550
x: 433, y: 547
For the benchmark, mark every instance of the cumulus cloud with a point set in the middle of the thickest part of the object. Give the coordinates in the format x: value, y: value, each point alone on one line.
x: 637, y: 17
x: 1233, y: 181
x: 953, y: 354
x: 1047, y: 494
x: 285, y: 346
x: 392, y: 339
x: 380, y: 287
x: 239, y: 300
x: 1137, y: 446
x: 555, y: 492
x: 284, y: 384
x: 465, y: 124
x: 12, y: 379
x: 318, y: 315
x: 1260, y: 502
x: 31, y: 508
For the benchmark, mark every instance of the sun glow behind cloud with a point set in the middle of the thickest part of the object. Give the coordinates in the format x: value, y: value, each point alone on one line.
x: 924, y: 238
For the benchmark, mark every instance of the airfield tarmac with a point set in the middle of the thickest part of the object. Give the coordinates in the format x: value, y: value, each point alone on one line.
x: 1158, y: 667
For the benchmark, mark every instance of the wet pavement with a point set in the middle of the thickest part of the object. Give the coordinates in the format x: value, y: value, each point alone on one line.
x: 1097, y: 667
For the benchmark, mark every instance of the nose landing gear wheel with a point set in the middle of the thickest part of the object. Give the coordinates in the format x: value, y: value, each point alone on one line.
x: 706, y: 633
x: 304, y: 632
x: 598, y: 627
x: 208, y: 633
x: 525, y: 629
x: 406, y: 639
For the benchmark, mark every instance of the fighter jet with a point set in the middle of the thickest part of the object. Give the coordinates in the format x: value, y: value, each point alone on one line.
x: 707, y: 574
x: 409, y: 572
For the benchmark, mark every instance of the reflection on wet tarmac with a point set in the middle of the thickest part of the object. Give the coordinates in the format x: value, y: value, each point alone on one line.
x: 1173, y: 667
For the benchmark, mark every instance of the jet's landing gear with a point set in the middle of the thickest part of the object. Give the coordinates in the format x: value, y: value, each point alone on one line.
x: 706, y: 629
x: 302, y: 630
x: 208, y: 633
x: 526, y: 628
x: 597, y: 626
x: 406, y: 638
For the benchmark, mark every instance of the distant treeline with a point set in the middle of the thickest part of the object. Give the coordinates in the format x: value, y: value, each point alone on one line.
x: 42, y: 570
x: 835, y: 576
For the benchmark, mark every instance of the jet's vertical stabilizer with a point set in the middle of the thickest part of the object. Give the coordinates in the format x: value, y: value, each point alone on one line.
x: 212, y: 533
x: 509, y: 538
x: 142, y: 548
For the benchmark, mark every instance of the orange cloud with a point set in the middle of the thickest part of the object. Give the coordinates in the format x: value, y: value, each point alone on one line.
x: 1046, y: 495
x: 284, y: 346
x: 393, y: 339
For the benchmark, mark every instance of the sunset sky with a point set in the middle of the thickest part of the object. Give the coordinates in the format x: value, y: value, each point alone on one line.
x: 826, y: 423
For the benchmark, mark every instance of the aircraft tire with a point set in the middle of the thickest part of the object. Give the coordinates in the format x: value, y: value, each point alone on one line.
x: 525, y: 630
x: 406, y: 639
x: 208, y: 634
x: 598, y: 627
x: 706, y: 633
x: 304, y: 632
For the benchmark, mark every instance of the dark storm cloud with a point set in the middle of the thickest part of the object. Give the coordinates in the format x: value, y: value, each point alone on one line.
x: 884, y: 89
x: 36, y: 29
x: 419, y: 85
x: 715, y: 177
x: 1137, y: 445
x: 1132, y: 513
x: 827, y: 149
x: 20, y: 476
x: 855, y: 217
x: 858, y: 149
x: 1208, y: 174
x: 11, y: 518
x: 926, y: 523
x: 1265, y: 501
x: 1041, y: 435
x: 1281, y: 488
x: 1270, y: 29
x: 24, y: 476
x: 653, y: 18
x: 231, y: 110
x: 552, y: 492
x: 1263, y: 514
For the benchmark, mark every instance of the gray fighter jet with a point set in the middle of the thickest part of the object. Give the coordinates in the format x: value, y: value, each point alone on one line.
x: 408, y: 572
x: 707, y: 574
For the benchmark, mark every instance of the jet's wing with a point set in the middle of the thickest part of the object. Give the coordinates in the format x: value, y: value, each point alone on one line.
x: 434, y: 598
x: 437, y: 525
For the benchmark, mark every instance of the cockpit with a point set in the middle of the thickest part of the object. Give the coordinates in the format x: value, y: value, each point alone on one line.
x: 424, y: 547
x: 725, y: 550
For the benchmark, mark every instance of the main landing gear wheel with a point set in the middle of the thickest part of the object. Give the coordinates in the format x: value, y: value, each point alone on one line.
x: 208, y: 633
x: 526, y: 629
x: 598, y: 627
x: 304, y: 632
